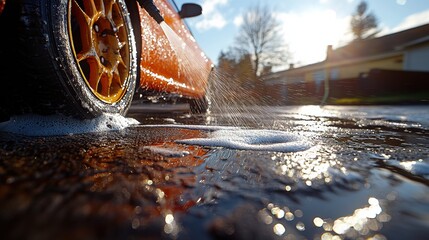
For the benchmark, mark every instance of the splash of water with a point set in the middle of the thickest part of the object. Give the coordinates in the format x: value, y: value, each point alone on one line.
x: 192, y: 62
x: 228, y: 96
x: 237, y: 100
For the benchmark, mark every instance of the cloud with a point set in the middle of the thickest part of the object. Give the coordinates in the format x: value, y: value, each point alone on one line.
x: 216, y: 20
x: 401, y: 2
x: 238, y: 20
x: 212, y: 17
x: 209, y: 6
x: 413, y: 20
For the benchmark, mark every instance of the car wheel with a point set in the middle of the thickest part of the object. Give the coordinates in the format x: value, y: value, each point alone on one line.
x: 76, y: 57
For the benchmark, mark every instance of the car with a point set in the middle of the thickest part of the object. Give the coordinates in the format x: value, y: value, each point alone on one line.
x: 85, y: 58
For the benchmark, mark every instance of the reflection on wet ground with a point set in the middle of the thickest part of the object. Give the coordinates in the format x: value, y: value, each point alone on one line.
x: 365, y: 175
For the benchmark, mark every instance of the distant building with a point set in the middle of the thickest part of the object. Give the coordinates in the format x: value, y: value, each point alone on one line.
x: 393, y: 64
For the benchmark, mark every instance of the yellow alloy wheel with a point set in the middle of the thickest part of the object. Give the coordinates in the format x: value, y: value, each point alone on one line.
x: 100, y: 43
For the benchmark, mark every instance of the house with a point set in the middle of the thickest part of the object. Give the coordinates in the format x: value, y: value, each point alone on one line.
x: 387, y: 67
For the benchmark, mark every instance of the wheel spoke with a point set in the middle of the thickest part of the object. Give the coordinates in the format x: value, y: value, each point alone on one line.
x: 106, y: 82
x: 108, y: 5
x: 116, y: 81
x: 95, y: 72
x: 101, y: 7
x: 84, y: 22
x: 80, y: 14
x: 90, y: 8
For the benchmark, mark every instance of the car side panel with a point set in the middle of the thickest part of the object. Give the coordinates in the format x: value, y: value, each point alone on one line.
x: 162, y: 67
x: 195, y: 66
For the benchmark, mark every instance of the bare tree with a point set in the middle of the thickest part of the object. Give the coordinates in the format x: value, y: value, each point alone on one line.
x: 363, y: 22
x: 260, y: 37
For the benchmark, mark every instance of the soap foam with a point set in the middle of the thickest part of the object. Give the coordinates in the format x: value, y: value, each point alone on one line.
x: 252, y: 139
x: 58, y: 125
x: 244, y: 139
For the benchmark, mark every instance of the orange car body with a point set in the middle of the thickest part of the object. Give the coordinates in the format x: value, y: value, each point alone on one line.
x: 2, y: 3
x: 165, y: 66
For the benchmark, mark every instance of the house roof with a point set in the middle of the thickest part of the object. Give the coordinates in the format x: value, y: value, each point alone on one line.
x: 387, y: 45
x: 381, y: 45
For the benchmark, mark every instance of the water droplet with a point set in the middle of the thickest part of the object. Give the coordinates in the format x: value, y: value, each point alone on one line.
x: 135, y: 223
x: 289, y: 216
x: 300, y: 226
x: 279, y: 213
x: 279, y: 229
x: 263, y: 215
x: 299, y: 213
x: 169, y: 218
x: 318, y: 222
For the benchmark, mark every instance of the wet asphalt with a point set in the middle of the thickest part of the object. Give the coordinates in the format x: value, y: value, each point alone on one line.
x: 117, y: 185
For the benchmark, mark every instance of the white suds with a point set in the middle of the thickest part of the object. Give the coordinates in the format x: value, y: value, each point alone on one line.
x: 57, y: 125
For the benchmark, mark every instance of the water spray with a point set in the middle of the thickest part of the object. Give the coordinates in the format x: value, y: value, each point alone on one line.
x: 153, y: 11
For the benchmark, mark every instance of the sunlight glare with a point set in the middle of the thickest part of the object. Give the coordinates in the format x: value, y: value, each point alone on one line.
x: 308, y: 34
x: 311, y: 110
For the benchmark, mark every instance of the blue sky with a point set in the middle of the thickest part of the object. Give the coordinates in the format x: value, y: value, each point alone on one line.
x: 308, y: 26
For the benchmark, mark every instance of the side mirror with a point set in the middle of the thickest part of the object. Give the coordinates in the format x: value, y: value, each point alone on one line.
x: 190, y: 10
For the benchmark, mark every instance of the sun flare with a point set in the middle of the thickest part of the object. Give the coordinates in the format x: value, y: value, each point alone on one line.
x: 308, y: 34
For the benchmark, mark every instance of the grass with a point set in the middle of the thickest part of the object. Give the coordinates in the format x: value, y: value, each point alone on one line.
x: 414, y: 98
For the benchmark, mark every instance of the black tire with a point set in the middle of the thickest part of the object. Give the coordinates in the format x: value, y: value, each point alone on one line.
x: 67, y: 64
x: 199, y: 105
x: 8, y: 80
